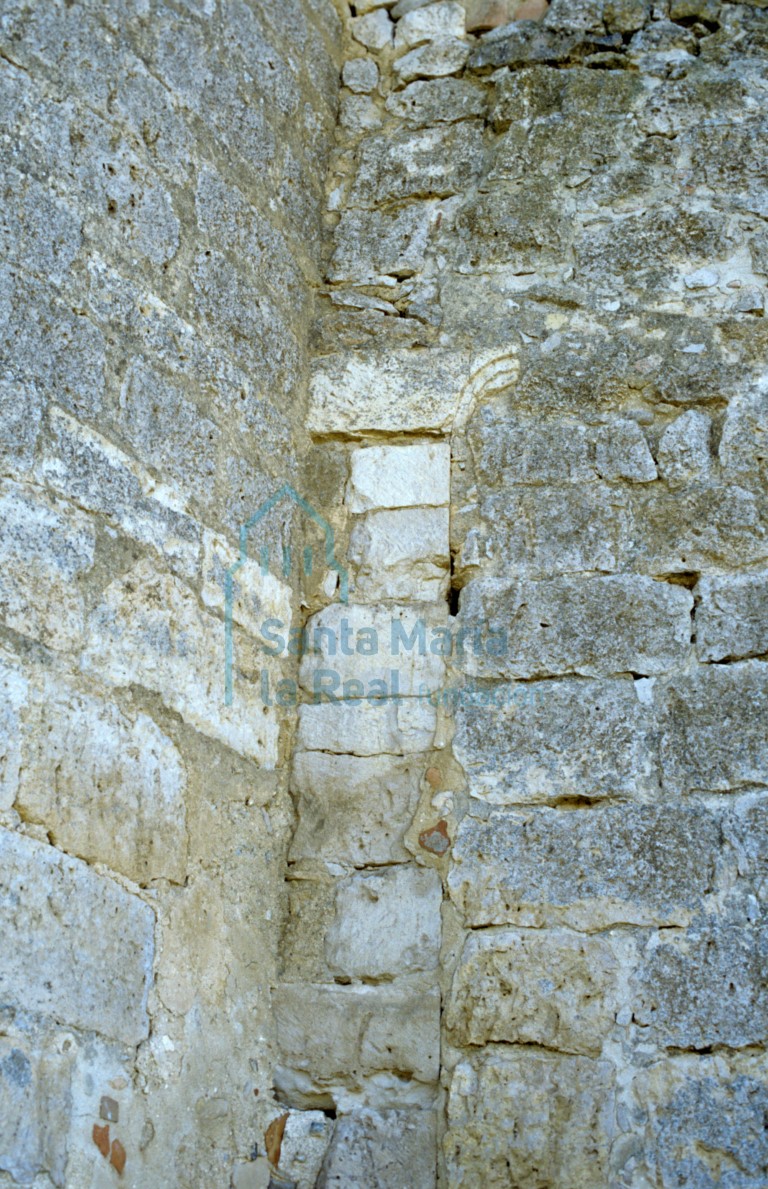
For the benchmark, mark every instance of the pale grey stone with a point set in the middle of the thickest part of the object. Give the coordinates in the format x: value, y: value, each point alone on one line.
x: 560, y: 1108
x: 445, y: 19
x: 431, y: 162
x: 684, y: 451
x: 386, y: 923
x: 373, y: 243
x: 373, y: 30
x: 14, y: 689
x: 400, y: 553
x: 590, y: 626
x: 353, y: 810
x: 436, y: 59
x: 750, y: 302
x: 704, y: 988
x: 399, y: 476
x: 623, y: 453
x: 359, y: 114
x: 528, y: 449
x: 441, y: 100
x: 382, y: 1148
x: 21, y: 412
x: 361, y: 75
x: 585, y: 867
x: 367, y: 728
x: 732, y: 616
x: 385, y: 1051
x: 35, y: 1106
x: 712, y: 723
x: 78, y: 947
x: 550, y: 987
x: 703, y: 278
x: 567, y: 739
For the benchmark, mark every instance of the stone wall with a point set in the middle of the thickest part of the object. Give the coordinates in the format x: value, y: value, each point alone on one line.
x: 498, y: 321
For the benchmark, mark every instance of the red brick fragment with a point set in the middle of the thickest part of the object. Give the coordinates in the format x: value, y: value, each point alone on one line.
x: 101, y: 1138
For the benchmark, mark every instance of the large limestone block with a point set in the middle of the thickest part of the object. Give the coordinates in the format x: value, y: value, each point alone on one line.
x: 396, y: 392
x: 353, y: 810
x: 704, y: 988
x: 713, y: 728
x: 399, y: 476
x: 110, y: 788
x: 529, y: 1119
x: 257, y: 597
x: 551, y: 987
x: 149, y: 630
x: 586, y: 739
x: 386, y: 923
x: 694, y: 1117
x: 529, y: 450
x: 586, y: 867
x: 592, y: 626
x: 382, y: 1148
x: 357, y: 1045
x: 368, y: 728
x: 76, y: 946
x: 400, y: 554
x: 432, y: 162
x: 438, y: 100
x: 369, y: 244
x: 732, y: 616
x: 364, y: 650
x: 46, y: 545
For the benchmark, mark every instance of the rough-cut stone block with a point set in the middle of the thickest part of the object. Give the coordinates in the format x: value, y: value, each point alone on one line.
x: 45, y: 545
x: 586, y: 739
x: 694, y: 1120
x: 35, y: 1107
x: 591, y: 626
x: 367, y: 728
x: 401, y: 553
x: 353, y: 810
x: 437, y: 59
x: 713, y: 728
x: 704, y: 988
x: 149, y: 630
x: 623, y: 453
x: 587, y: 867
x: 684, y: 451
x: 361, y: 75
x: 439, y: 100
x: 552, y: 988
x: 528, y: 449
x: 361, y: 651
x: 445, y: 19
x: 109, y: 788
x: 373, y: 30
x: 530, y: 1120
x: 433, y: 162
x: 403, y: 391
x: 76, y: 946
x: 13, y: 697
x: 382, y: 1148
x: 385, y: 1050
x: 369, y: 244
x: 732, y: 616
x: 21, y: 412
x: 399, y: 476
x: 387, y: 923
x: 256, y: 596
x: 304, y: 1144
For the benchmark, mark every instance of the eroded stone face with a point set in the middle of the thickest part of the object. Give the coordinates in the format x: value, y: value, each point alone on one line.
x: 382, y: 1147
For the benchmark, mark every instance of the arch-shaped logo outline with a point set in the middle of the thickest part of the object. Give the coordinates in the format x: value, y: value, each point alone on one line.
x: 229, y: 584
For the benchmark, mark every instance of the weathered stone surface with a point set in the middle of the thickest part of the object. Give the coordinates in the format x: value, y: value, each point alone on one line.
x: 732, y: 616
x: 360, y: 75
x: 434, y: 162
x: 684, y: 451
x: 108, y: 788
x: 704, y: 988
x: 402, y: 391
x: 387, y: 923
x: 78, y: 948
x: 399, y: 476
x: 373, y: 29
x: 586, y: 867
x: 712, y: 723
x: 21, y: 409
x: 35, y: 1105
x: 385, y: 1051
x: 13, y: 698
x: 390, y: 243
x: 551, y: 988
x: 367, y: 651
x: 528, y: 449
x: 441, y: 100
x: 623, y: 453
x: 46, y: 546
x: 560, y: 1108
x: 572, y: 739
x: 304, y: 1144
x: 697, y: 1120
x: 445, y: 19
x: 399, y: 554
x: 353, y: 809
x: 257, y: 597
x: 149, y: 629
x: 437, y: 59
x: 590, y: 626
x: 367, y: 728
x: 382, y: 1148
